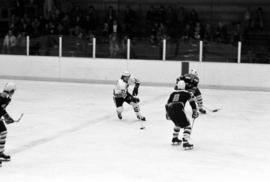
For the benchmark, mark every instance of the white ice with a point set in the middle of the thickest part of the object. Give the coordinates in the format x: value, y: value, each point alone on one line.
x: 70, y: 132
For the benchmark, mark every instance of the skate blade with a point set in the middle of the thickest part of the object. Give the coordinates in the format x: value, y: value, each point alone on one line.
x: 188, y: 148
x: 4, y: 160
x: 176, y: 144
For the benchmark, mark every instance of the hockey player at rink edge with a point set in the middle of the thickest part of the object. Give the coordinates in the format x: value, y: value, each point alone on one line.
x: 175, y: 111
x: 121, y: 95
x: 5, y: 98
x: 192, y: 80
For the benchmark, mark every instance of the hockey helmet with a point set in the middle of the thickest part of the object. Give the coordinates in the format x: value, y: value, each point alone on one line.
x: 10, y: 87
x: 193, y: 72
x: 181, y: 85
x: 126, y: 73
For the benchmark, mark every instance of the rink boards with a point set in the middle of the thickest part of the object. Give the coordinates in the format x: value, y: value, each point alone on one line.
x: 153, y: 73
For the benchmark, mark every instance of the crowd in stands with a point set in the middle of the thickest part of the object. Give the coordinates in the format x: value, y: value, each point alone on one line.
x: 62, y: 17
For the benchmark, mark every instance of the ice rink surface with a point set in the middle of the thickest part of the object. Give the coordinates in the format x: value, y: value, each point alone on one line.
x: 70, y: 132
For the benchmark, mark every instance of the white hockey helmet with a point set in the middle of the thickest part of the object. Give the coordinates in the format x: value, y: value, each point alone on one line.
x: 181, y: 85
x: 193, y: 72
x: 9, y: 87
x: 126, y: 73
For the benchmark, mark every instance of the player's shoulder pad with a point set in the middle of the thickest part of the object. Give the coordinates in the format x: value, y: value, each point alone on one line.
x: 134, y: 80
x: 182, y: 91
x: 188, y: 76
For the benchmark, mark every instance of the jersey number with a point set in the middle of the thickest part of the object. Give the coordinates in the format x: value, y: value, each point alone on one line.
x: 176, y: 97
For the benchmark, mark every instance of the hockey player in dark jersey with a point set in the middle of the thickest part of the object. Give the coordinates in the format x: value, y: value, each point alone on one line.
x: 121, y: 95
x: 192, y: 80
x: 175, y: 111
x: 5, y: 98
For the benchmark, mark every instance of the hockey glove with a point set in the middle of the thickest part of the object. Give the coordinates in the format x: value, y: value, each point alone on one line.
x: 136, y: 90
x: 8, y: 119
x: 195, y: 113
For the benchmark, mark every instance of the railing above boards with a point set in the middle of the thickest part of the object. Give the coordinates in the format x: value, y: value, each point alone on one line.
x: 165, y: 50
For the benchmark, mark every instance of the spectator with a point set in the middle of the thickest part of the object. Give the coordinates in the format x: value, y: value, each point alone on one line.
x: 208, y: 35
x: 23, y: 26
x: 150, y: 18
x: 181, y: 17
x: 110, y: 16
x: 124, y: 48
x: 60, y: 29
x: 153, y: 34
x: 18, y: 8
x: 13, y: 22
x: 89, y: 45
x: 76, y: 31
x: 129, y: 21
x: 162, y: 32
x: 105, y: 31
x: 113, y: 45
x: 236, y: 34
x: 21, y: 43
x: 198, y: 31
x: 9, y: 43
x: 90, y: 19
x: 187, y: 34
x: 47, y: 8
x: 65, y: 22
x: 77, y: 21
x: 115, y: 28
x: 66, y: 6
x: 247, y: 19
x: 171, y: 21
x: 80, y: 44
x: 36, y: 27
x: 247, y: 23
x: 220, y: 35
x: 161, y: 15
x: 76, y: 12
x: 257, y: 19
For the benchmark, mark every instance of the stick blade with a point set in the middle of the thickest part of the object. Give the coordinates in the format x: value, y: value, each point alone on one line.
x: 20, y: 117
x: 215, y: 110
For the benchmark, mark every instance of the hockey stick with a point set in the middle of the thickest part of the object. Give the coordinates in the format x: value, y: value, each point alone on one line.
x: 212, y: 110
x: 192, y: 123
x: 20, y: 117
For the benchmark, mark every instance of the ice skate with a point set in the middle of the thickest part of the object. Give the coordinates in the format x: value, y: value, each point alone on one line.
x: 202, y: 111
x: 142, y: 118
x: 119, y: 115
x: 4, y: 157
x: 187, y: 145
x: 176, y: 141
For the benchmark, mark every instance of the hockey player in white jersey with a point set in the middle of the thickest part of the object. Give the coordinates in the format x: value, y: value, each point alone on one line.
x: 5, y: 118
x: 121, y: 95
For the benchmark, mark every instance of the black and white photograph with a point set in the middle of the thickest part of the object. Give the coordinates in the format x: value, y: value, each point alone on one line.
x: 134, y: 90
